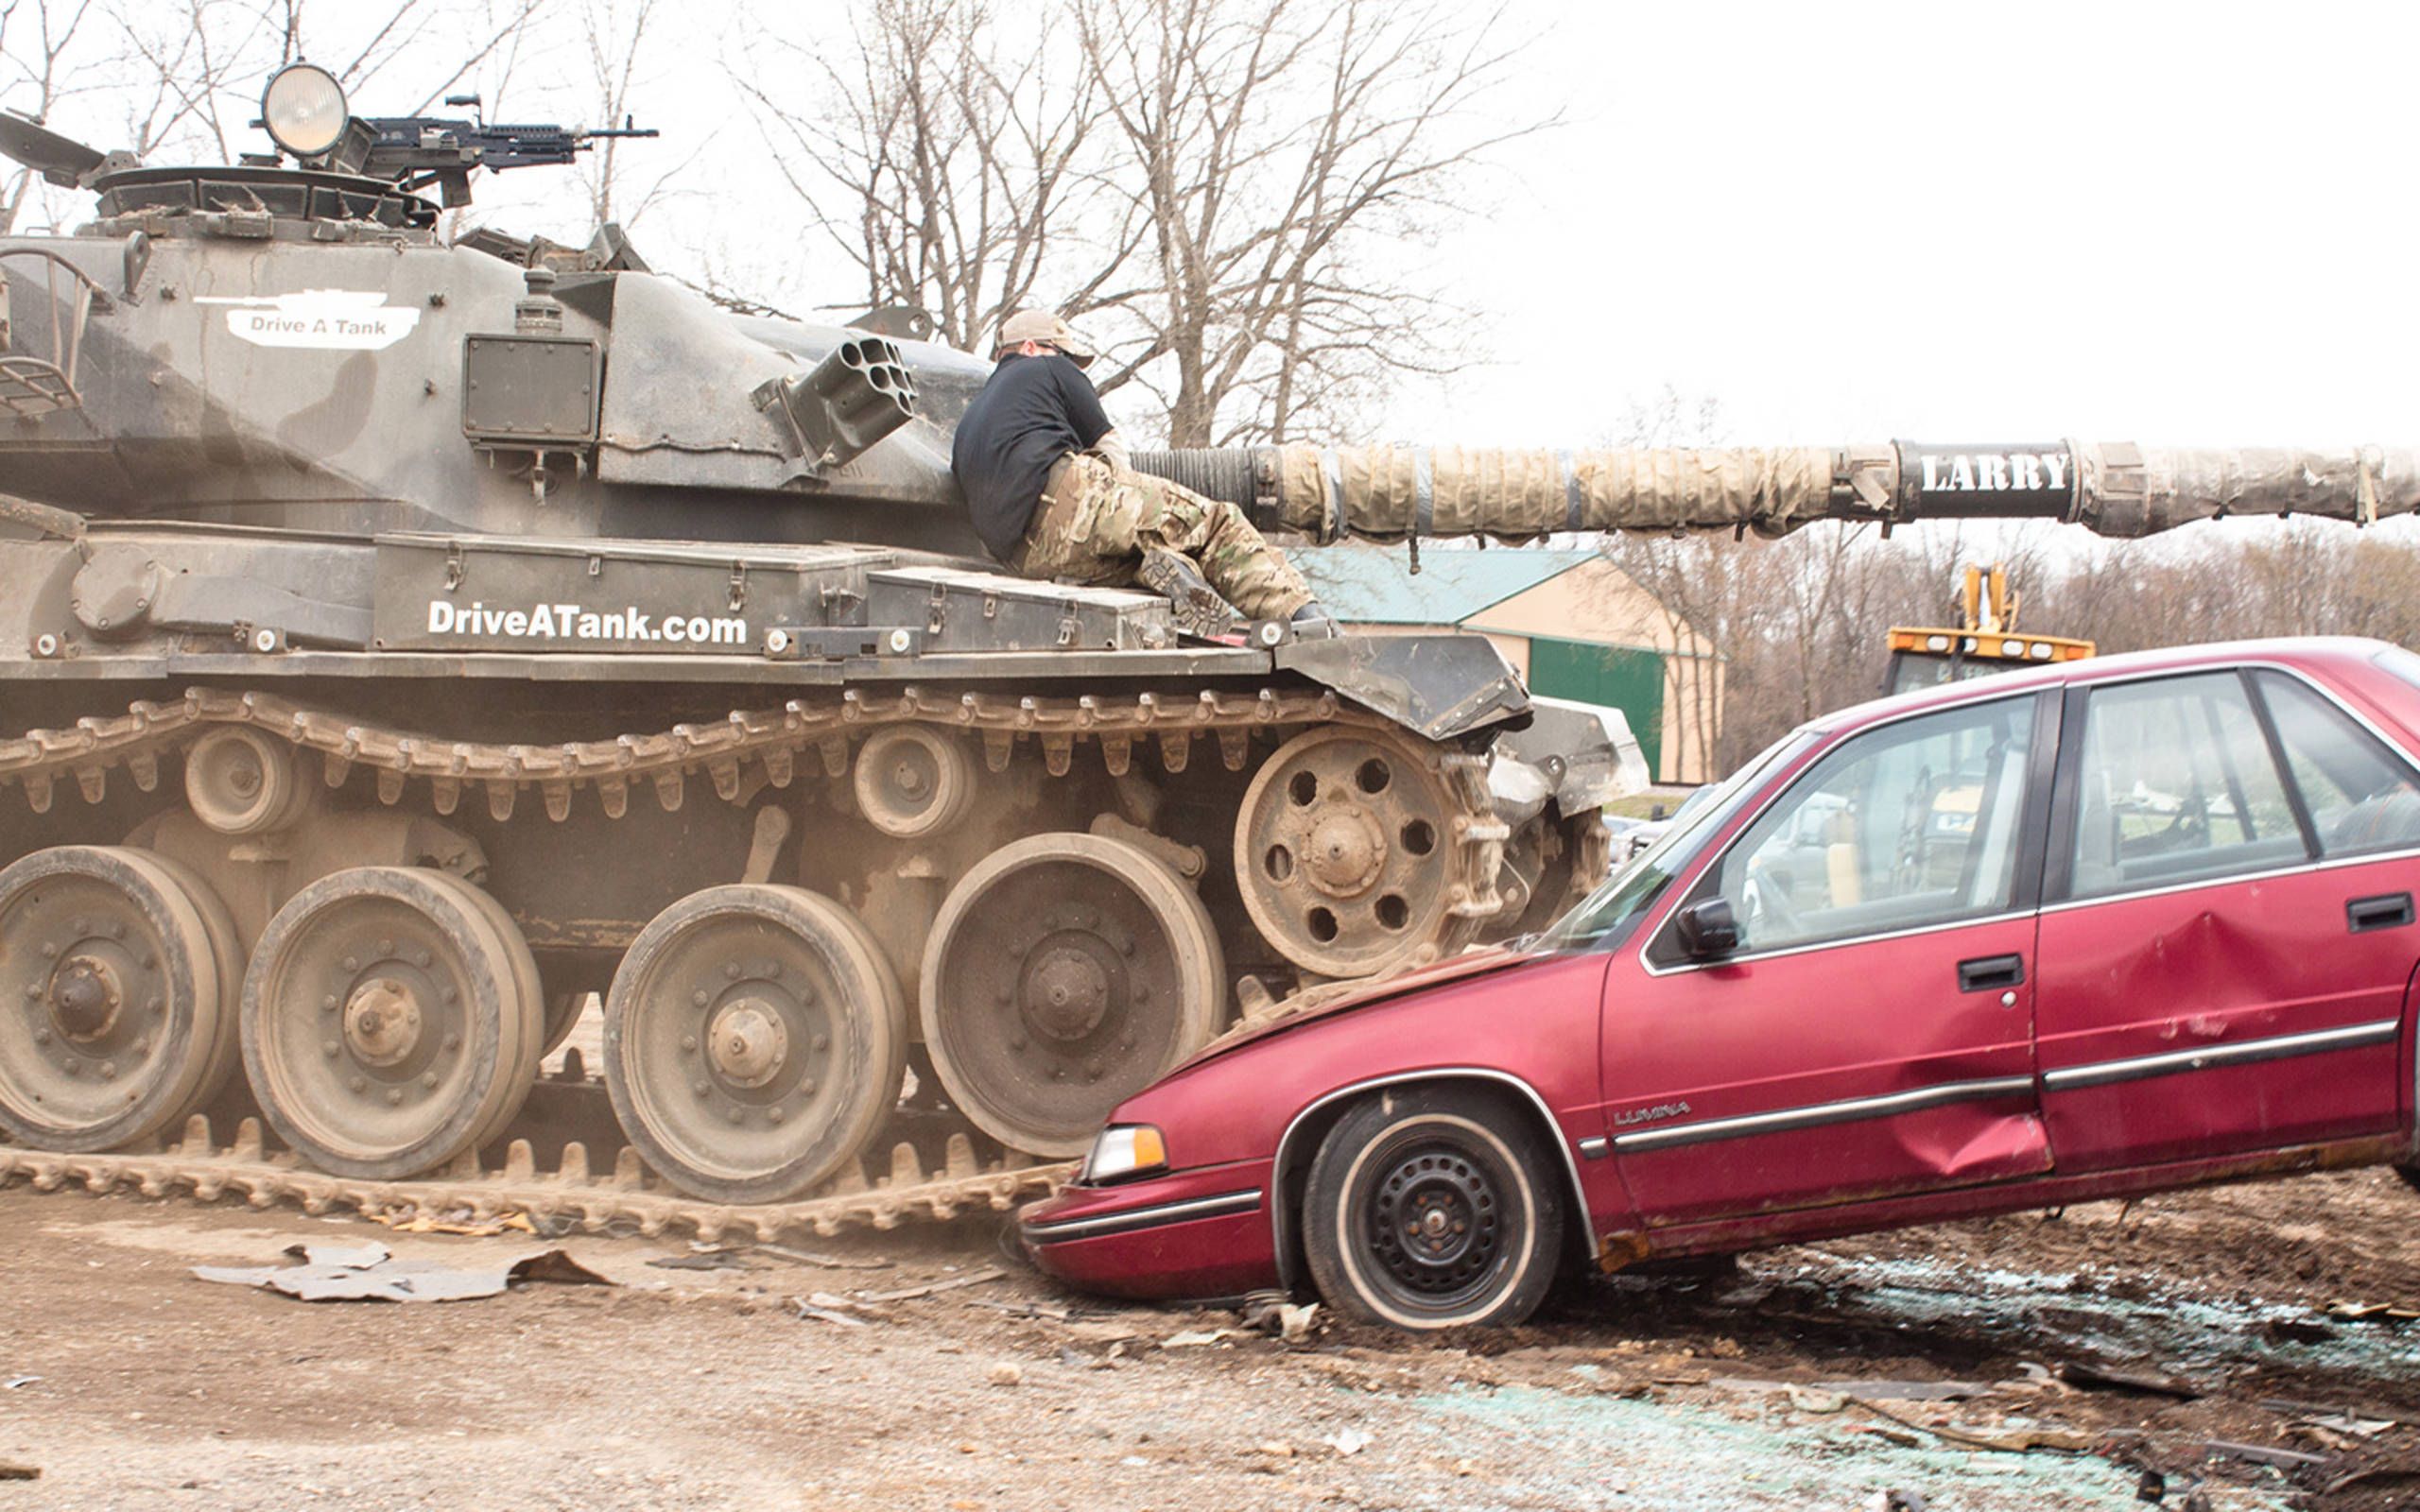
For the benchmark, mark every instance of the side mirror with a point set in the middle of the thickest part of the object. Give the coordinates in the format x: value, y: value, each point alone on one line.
x: 1707, y: 928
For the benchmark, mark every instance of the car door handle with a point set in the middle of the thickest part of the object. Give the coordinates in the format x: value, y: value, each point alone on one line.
x: 1986, y: 973
x: 2387, y: 911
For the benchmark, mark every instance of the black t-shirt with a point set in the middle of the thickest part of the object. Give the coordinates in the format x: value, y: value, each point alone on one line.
x: 1032, y: 412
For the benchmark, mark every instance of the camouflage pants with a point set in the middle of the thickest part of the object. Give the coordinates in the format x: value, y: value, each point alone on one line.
x: 1095, y: 522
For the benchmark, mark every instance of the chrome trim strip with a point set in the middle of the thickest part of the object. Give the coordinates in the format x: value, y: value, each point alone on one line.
x: 1151, y: 1217
x: 1595, y: 1147
x: 1849, y: 1110
x: 1277, y: 1215
x: 2279, y: 1047
x: 2229, y: 879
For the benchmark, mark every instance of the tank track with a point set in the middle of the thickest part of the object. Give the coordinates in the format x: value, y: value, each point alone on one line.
x: 777, y: 740
x: 569, y: 1199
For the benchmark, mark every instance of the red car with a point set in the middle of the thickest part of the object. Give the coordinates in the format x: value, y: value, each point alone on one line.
x: 2107, y: 928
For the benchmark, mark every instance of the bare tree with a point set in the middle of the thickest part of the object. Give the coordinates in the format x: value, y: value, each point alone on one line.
x: 1227, y: 185
x: 1278, y: 153
x: 38, y: 44
x: 953, y: 166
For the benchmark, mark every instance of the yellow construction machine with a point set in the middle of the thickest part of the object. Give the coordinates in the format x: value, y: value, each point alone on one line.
x: 1987, y: 642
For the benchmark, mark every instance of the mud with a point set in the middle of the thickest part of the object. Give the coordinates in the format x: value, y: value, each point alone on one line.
x: 1711, y: 1388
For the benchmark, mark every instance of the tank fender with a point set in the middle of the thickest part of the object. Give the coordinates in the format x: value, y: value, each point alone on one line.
x: 1438, y: 686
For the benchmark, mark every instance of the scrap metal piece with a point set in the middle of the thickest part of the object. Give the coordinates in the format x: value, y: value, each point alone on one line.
x: 371, y: 1274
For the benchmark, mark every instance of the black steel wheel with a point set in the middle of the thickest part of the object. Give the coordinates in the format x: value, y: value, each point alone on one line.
x: 1066, y: 973
x: 119, y: 972
x: 1432, y: 1209
x: 391, y: 1021
x: 755, y: 1039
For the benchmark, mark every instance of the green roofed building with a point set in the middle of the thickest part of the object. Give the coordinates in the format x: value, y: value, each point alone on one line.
x: 1570, y: 621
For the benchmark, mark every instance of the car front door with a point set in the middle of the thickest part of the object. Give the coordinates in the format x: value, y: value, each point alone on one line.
x: 1871, y: 1033
x: 2230, y: 932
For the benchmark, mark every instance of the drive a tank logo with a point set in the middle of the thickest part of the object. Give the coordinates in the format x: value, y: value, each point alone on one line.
x: 327, y: 320
x: 1994, y: 471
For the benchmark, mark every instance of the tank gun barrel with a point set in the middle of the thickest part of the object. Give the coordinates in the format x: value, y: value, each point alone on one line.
x: 2113, y: 489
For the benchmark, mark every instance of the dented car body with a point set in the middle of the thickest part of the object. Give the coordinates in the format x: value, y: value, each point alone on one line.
x: 2099, y: 929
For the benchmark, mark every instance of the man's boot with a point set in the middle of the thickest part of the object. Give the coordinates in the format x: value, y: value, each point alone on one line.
x: 1199, y: 610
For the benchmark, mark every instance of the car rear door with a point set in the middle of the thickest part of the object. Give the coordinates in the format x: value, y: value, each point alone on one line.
x: 1872, y: 1032
x: 2230, y: 929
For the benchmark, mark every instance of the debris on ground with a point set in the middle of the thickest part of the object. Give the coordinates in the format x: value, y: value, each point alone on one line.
x: 370, y: 1273
x: 701, y: 1260
x: 807, y: 1257
x: 1274, y: 1315
x: 1005, y: 1373
x: 1348, y: 1441
x: 1196, y: 1338
x: 12, y: 1471
x: 2099, y: 1378
x: 2370, y: 1312
x: 2285, y: 1459
x: 990, y: 1273
x: 13, y: 1382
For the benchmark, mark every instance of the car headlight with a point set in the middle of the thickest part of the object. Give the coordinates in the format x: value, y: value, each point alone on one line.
x: 304, y: 109
x: 1124, y: 1150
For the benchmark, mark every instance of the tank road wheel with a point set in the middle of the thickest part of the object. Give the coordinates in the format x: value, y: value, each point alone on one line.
x: 755, y: 1037
x: 911, y: 781
x: 391, y: 1021
x: 1066, y: 972
x: 1343, y: 853
x: 539, y: 1016
x: 118, y: 979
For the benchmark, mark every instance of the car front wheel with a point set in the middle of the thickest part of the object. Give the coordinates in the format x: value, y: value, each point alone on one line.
x: 1432, y: 1207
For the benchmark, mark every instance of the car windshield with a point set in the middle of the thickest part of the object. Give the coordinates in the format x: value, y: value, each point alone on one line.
x: 1606, y: 916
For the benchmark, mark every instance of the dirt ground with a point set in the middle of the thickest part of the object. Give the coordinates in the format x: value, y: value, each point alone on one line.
x: 1927, y: 1363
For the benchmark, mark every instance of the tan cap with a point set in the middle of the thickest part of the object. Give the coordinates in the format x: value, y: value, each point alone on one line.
x: 1047, y: 329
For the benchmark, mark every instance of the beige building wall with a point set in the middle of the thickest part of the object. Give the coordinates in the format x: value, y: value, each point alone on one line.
x: 1594, y: 601
x: 1598, y: 601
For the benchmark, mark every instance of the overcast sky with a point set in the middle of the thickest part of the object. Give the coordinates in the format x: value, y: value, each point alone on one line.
x: 2165, y: 223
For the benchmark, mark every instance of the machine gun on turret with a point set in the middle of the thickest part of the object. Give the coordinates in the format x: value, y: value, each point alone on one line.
x: 304, y: 112
x: 419, y: 152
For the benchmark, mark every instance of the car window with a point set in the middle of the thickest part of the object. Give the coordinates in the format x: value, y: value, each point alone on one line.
x: 2176, y: 785
x: 1912, y: 824
x: 2361, y: 796
x: 1605, y: 917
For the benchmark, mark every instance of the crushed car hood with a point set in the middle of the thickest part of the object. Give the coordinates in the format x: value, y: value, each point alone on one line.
x: 1459, y: 967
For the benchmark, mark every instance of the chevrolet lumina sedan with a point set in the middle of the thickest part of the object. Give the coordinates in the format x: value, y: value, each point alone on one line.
x: 2098, y: 930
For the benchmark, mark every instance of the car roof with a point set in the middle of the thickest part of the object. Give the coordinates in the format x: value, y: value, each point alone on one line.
x: 2304, y: 650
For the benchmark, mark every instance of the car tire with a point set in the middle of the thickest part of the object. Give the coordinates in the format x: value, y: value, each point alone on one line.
x: 2411, y: 1175
x: 1458, y: 1172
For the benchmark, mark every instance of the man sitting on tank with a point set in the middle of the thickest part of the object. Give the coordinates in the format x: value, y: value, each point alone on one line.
x: 1050, y: 491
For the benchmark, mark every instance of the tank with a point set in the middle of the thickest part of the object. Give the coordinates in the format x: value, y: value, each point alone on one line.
x: 403, y: 641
